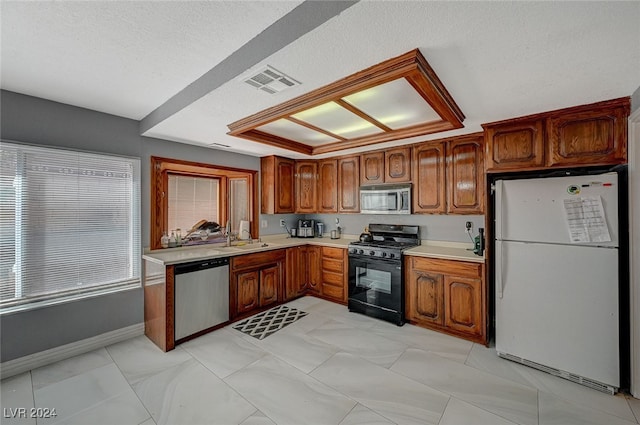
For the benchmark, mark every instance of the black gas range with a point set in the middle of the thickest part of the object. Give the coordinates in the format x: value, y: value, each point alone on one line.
x: 376, y: 278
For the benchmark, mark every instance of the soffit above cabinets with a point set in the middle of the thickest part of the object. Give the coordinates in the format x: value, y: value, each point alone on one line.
x: 396, y: 99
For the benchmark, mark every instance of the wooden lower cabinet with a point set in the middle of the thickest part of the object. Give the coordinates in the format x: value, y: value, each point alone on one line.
x: 247, y: 284
x: 317, y: 270
x: 334, y: 274
x: 256, y: 281
x: 311, y: 262
x: 447, y: 296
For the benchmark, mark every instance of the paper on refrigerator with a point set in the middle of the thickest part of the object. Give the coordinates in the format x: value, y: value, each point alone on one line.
x: 586, y: 220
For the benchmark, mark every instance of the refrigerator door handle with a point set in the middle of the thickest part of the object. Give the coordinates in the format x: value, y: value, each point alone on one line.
x: 499, y: 209
x: 499, y: 269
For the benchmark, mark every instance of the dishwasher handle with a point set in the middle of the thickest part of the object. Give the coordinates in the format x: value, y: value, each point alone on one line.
x: 201, y: 265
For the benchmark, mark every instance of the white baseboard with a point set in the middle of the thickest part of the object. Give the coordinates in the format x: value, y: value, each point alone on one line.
x: 43, y: 358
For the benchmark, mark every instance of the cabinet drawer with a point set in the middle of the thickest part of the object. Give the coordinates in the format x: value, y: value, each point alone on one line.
x: 329, y: 252
x: 257, y: 260
x: 450, y: 267
x: 332, y: 278
x: 333, y: 291
x: 336, y: 266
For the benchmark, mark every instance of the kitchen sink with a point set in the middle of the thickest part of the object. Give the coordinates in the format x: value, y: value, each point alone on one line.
x: 255, y: 245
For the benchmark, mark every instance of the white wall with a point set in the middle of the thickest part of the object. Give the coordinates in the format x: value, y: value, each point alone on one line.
x: 634, y: 246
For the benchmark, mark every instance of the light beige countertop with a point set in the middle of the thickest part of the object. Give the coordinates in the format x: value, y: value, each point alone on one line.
x: 431, y: 249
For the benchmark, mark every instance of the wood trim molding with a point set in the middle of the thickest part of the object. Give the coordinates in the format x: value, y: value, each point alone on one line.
x: 162, y: 167
x: 412, y: 66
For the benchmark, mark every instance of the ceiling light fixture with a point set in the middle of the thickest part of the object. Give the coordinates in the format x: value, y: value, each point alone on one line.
x: 396, y: 99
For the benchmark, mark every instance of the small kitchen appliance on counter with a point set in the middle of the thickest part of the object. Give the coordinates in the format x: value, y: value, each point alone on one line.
x: 375, y: 271
x: 306, y: 228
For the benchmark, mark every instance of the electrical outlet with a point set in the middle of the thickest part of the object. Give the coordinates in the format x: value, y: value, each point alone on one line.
x: 468, y: 225
x: 282, y: 224
x: 264, y: 224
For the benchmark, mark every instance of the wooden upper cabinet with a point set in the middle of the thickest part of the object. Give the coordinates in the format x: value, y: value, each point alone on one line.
x: 593, y: 136
x: 306, y: 183
x: 372, y: 168
x: 514, y: 145
x: 428, y: 176
x: 349, y: 184
x: 397, y: 165
x: 465, y: 175
x: 277, y: 181
x: 328, y: 186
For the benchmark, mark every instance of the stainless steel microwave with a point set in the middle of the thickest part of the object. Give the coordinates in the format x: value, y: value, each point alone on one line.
x: 385, y: 199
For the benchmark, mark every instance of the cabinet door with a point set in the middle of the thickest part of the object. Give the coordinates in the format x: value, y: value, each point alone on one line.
x: 277, y: 182
x: 314, y: 272
x: 515, y: 145
x: 269, y: 282
x: 295, y: 280
x: 349, y: 184
x: 463, y: 308
x: 428, y: 171
x: 247, y: 291
x: 397, y: 165
x: 372, y: 168
x: 589, y: 137
x: 465, y: 176
x: 306, y: 182
x: 425, y: 297
x: 328, y: 186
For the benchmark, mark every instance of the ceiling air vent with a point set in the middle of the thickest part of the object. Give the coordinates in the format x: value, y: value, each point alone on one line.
x: 270, y: 80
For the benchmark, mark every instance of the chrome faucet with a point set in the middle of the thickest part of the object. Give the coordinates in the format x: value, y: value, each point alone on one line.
x: 228, y: 231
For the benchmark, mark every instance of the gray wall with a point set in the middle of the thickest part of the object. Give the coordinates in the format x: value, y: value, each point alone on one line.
x: 433, y: 227
x: 38, y: 121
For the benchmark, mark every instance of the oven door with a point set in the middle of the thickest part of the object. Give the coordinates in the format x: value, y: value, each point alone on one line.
x: 376, y: 282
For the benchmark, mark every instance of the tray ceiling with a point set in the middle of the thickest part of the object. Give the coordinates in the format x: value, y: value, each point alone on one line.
x: 179, y: 67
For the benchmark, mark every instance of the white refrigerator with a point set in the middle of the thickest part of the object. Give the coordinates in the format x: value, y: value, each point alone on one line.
x: 556, y: 276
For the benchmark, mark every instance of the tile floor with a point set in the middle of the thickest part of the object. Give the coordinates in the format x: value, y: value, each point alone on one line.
x: 330, y: 367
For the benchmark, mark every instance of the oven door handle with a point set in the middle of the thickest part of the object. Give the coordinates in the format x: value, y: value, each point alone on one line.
x: 376, y: 260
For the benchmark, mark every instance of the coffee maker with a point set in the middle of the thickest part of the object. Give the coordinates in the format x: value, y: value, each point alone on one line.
x: 306, y: 228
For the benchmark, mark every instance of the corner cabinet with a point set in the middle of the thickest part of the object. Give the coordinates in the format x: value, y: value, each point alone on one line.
x: 256, y: 281
x: 594, y: 134
x: 446, y: 295
x: 277, y: 182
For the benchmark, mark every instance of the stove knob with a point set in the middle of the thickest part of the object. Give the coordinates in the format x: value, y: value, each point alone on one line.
x: 392, y: 255
x: 372, y: 252
x: 352, y: 251
x: 360, y: 251
x: 384, y: 254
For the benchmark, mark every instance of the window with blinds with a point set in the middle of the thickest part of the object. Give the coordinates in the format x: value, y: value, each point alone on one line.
x: 69, y: 223
x: 192, y: 199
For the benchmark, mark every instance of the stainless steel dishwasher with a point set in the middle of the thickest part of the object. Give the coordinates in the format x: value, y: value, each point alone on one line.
x: 201, y: 296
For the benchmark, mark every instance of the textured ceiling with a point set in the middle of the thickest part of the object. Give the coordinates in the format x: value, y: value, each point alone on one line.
x: 497, y: 59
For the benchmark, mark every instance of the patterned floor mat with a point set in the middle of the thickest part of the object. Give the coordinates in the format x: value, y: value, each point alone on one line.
x: 268, y: 322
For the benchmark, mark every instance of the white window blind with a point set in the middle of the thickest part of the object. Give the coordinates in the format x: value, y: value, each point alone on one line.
x: 69, y: 223
x: 192, y: 199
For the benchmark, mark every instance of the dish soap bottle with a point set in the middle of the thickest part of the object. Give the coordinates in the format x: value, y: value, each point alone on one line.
x: 172, y: 240
x: 164, y: 240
